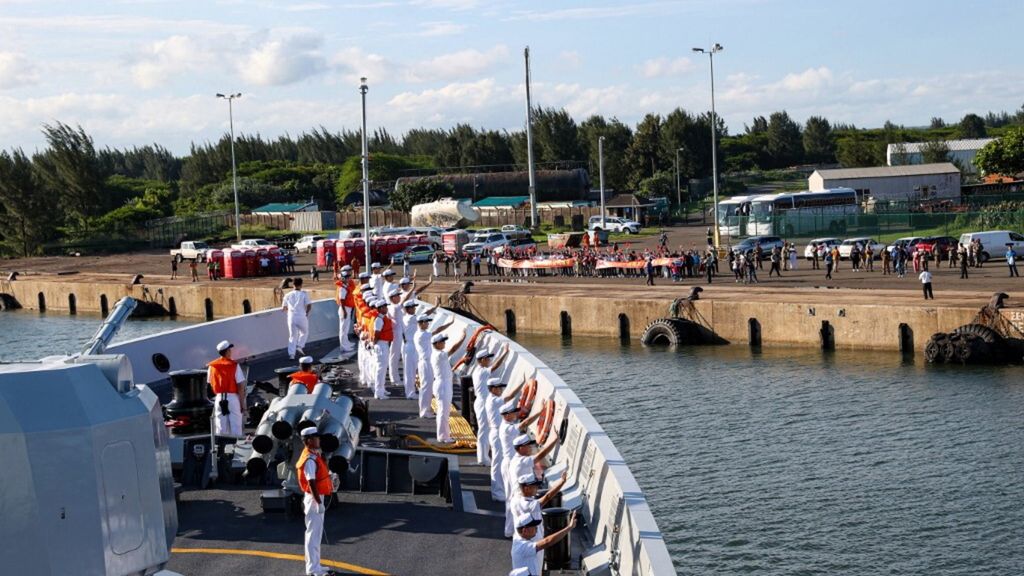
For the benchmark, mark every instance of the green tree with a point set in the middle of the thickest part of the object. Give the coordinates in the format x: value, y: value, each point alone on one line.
x: 643, y: 157
x: 662, y: 184
x: 1003, y: 156
x: 415, y: 191
x: 971, y: 126
x: 937, y: 122
x: 819, y: 145
x: 71, y: 166
x: 858, y: 152
x: 617, y: 138
x: 934, y: 151
x: 384, y: 169
x: 785, y: 146
x: 556, y: 136
x: 28, y: 209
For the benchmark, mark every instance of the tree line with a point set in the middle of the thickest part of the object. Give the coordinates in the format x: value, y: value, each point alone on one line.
x: 74, y: 192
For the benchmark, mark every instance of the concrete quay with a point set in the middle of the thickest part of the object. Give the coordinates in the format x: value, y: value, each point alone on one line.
x: 883, y: 319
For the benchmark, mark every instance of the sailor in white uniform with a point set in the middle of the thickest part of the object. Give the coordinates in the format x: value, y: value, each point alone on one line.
x: 495, y: 408
x: 375, y: 280
x: 424, y: 351
x: 486, y: 365
x: 388, y: 283
x: 523, y: 462
x: 298, y: 305
x: 345, y: 313
x: 526, y: 502
x: 409, y: 360
x: 396, y: 314
x: 527, y: 548
x: 381, y: 348
x: 362, y: 353
x: 441, y: 369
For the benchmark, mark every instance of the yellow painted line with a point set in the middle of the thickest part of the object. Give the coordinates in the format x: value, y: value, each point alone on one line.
x: 462, y: 432
x: 278, y: 556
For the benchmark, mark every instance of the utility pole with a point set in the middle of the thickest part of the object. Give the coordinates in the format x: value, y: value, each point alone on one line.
x: 714, y: 128
x: 363, y: 88
x: 234, y: 172
x: 529, y: 146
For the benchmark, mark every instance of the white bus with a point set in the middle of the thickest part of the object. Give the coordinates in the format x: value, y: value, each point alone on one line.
x: 733, y: 214
x: 801, y: 213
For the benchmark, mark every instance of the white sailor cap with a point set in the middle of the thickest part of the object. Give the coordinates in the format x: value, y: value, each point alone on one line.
x: 306, y: 360
x: 380, y: 302
x: 410, y: 303
x: 394, y: 291
x: 520, y: 572
x: 346, y: 268
x: 224, y: 345
x: 526, y: 520
x: 307, y: 432
x: 366, y: 287
x: 484, y: 354
x: 495, y: 383
x: 424, y: 318
x: 438, y: 338
x: 523, y: 440
x: 389, y: 272
x: 530, y: 480
x: 508, y: 408
x: 375, y: 265
x: 346, y: 273
x: 364, y: 275
x: 404, y: 281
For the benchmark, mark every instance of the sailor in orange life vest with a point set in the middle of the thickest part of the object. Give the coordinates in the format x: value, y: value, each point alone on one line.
x: 305, y: 376
x: 228, y: 383
x: 315, y: 482
x: 382, y: 333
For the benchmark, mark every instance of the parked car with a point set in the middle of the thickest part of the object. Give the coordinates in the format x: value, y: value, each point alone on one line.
x: 615, y: 224
x: 391, y: 231
x: 253, y: 244
x: 191, y: 251
x: 415, y: 254
x: 307, y: 244
x: 907, y: 241
x: 347, y: 234
x: 993, y: 243
x: 847, y: 247
x: 512, y: 231
x: 937, y: 246
x: 490, y: 242
x: 828, y: 242
x: 767, y: 243
x: 516, y: 244
x: 482, y: 234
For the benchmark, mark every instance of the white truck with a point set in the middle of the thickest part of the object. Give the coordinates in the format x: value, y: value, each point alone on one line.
x: 253, y: 244
x: 191, y: 251
x: 512, y: 232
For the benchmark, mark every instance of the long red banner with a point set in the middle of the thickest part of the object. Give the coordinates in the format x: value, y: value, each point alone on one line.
x: 633, y: 264
x: 522, y: 264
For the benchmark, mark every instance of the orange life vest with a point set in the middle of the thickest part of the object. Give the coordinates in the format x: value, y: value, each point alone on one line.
x: 222, y: 376
x: 307, y: 378
x: 323, y: 476
x: 387, y: 332
x: 350, y: 297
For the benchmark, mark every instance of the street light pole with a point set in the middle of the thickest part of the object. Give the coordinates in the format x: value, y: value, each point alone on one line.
x: 363, y: 88
x: 234, y: 173
x: 600, y: 172
x: 679, y: 196
x: 714, y: 128
x: 534, y: 224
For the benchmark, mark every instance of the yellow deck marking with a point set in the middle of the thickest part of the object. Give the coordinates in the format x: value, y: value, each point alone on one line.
x: 278, y: 556
x: 462, y: 433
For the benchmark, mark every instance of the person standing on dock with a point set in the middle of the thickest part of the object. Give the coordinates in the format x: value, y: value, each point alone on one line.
x: 345, y: 298
x: 315, y: 482
x: 441, y: 368
x: 174, y: 267
x: 1011, y: 260
x: 964, y: 262
x: 926, y: 284
x: 228, y: 383
x: 298, y: 306
x: 776, y: 259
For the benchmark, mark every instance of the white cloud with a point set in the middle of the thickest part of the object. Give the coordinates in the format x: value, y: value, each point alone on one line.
x: 16, y: 71
x: 283, y: 61
x: 434, y: 29
x: 810, y: 79
x: 570, y: 59
x: 447, y: 4
x: 163, y: 59
x: 456, y: 65
x: 307, y: 7
x: 355, y: 64
x: 661, y: 67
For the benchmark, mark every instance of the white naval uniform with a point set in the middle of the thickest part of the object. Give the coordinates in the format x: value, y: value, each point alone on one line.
x: 298, y: 324
x: 424, y: 352
x: 380, y: 365
x: 376, y: 284
x: 524, y: 555
x: 516, y: 467
x: 344, y: 319
x: 314, y: 523
x: 507, y: 433
x: 480, y: 377
x: 521, y: 505
x: 409, y: 355
x: 493, y: 413
x: 230, y: 425
x: 441, y: 369
x: 397, y: 315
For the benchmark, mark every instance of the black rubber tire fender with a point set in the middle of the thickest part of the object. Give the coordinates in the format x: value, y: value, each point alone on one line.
x: 933, y: 349
x: 670, y: 331
x: 981, y: 331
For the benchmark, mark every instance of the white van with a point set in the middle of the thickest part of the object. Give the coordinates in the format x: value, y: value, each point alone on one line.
x: 993, y: 243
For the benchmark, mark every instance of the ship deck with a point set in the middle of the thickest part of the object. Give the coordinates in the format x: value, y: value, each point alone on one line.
x: 223, y: 529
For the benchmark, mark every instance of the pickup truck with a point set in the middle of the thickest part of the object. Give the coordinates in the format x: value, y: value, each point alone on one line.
x: 191, y: 251
x: 253, y: 244
x: 513, y: 232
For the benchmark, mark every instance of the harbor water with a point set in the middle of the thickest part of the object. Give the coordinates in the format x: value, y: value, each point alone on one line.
x: 784, y: 462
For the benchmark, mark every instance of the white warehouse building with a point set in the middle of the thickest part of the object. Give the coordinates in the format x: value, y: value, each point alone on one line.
x: 962, y: 151
x: 913, y: 182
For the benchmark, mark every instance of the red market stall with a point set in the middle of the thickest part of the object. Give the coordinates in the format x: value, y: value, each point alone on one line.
x: 234, y: 264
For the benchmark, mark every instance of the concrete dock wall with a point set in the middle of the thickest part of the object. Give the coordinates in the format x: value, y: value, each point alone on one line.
x: 827, y: 321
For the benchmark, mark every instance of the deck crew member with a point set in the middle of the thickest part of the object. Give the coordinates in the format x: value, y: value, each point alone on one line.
x: 376, y: 281
x: 305, y: 376
x: 409, y: 347
x: 345, y: 299
x: 382, y: 334
x: 527, y: 550
x: 362, y: 309
x: 441, y: 369
x: 424, y: 351
x: 510, y: 429
x: 228, y: 383
x: 396, y: 314
x: 526, y: 503
x: 298, y: 305
x: 387, y: 282
x: 487, y: 363
x: 315, y: 482
x: 496, y: 398
x: 524, y: 461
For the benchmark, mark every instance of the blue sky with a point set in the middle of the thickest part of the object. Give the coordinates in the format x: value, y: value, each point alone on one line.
x: 141, y: 71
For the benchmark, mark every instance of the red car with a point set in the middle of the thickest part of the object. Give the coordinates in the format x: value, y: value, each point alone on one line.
x: 937, y: 246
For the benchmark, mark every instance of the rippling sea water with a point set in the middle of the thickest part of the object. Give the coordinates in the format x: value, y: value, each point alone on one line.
x: 783, y: 462
x: 795, y: 462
